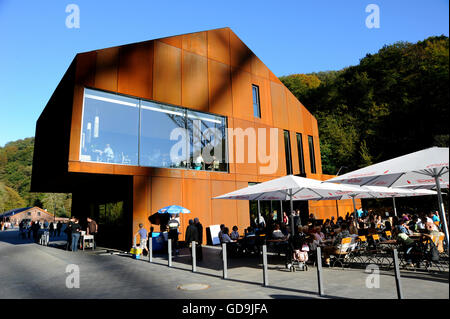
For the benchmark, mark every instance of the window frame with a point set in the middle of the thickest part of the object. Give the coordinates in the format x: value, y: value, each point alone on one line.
x: 258, y: 101
x: 312, y: 155
x: 287, y: 148
x: 301, y: 154
x: 139, y: 100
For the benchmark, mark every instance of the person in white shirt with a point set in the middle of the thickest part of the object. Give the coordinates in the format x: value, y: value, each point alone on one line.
x: 261, y: 221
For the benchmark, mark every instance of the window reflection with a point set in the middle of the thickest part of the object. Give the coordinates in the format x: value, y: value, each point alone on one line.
x: 122, y: 130
x: 157, y: 123
x: 110, y: 127
x: 207, y: 141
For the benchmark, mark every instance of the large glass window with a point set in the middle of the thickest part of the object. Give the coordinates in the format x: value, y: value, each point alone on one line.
x: 301, y: 160
x: 207, y: 141
x: 157, y: 123
x: 110, y: 128
x: 123, y: 130
x: 312, y: 157
x: 256, y: 107
x: 287, y: 152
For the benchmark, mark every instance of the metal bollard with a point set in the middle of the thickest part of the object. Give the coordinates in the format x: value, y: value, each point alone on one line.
x: 397, y: 275
x: 194, y: 258
x: 224, y: 257
x: 150, y: 250
x: 319, y: 270
x: 265, y: 272
x: 169, y: 251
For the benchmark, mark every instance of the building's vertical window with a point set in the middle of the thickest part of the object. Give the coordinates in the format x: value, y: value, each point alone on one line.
x: 312, y: 157
x: 256, y: 107
x: 301, y: 159
x: 287, y: 152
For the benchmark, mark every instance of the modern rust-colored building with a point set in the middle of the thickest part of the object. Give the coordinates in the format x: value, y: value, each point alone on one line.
x: 107, y: 133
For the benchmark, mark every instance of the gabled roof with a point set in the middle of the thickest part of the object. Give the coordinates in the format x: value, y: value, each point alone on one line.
x: 16, y: 211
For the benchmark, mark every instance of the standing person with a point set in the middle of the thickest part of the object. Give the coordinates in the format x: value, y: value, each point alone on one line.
x: 260, y: 222
x: 142, y: 232
x: 35, y: 229
x: 435, y: 217
x: 74, y: 233
x: 222, y: 227
x: 58, y: 227
x: 51, y: 229
x: 174, y: 224
x: 30, y: 228
x: 285, y: 219
x: 92, y: 229
x: 199, y: 248
x: 270, y: 224
x: 296, y: 219
x: 191, y: 234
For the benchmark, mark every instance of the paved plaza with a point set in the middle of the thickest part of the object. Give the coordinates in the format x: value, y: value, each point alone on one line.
x: 29, y: 270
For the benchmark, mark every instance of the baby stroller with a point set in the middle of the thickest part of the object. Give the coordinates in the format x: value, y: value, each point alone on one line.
x: 297, y: 254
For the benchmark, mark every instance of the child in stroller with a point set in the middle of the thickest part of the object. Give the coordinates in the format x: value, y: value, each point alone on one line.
x: 297, y: 254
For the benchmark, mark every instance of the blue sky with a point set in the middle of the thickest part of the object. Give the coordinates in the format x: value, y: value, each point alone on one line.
x: 289, y: 36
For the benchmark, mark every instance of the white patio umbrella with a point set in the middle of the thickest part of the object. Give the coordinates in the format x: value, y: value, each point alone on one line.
x: 422, y: 167
x: 378, y: 192
x: 291, y: 188
x: 425, y: 186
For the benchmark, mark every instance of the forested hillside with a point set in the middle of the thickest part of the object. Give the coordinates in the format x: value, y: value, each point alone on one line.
x: 392, y: 103
x: 16, y: 159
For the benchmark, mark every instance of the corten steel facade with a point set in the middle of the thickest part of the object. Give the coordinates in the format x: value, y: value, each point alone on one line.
x: 211, y: 72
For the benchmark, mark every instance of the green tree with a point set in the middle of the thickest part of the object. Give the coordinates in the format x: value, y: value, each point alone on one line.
x: 392, y: 103
x: 9, y: 198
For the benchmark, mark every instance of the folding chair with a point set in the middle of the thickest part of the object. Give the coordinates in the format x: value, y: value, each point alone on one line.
x: 442, y: 252
x: 375, y: 253
x: 359, y: 254
x: 342, y: 254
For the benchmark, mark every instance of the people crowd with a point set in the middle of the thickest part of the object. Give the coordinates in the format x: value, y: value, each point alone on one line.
x: 282, y: 231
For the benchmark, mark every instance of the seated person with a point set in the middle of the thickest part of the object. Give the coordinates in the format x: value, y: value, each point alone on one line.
x: 336, y: 247
x: 225, y: 236
x: 249, y: 232
x: 326, y: 227
x: 234, y: 234
x: 403, y: 228
x: 318, y: 235
x: 352, y: 229
x: 277, y: 233
x: 317, y: 238
x: 372, y: 229
x: 408, y: 246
